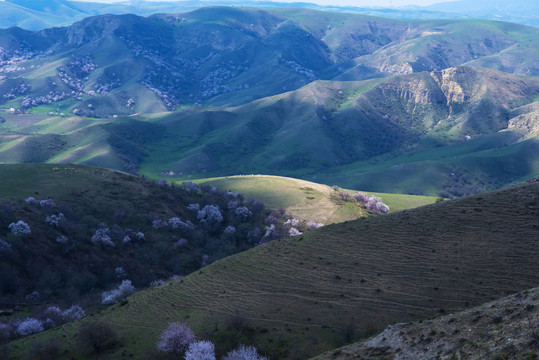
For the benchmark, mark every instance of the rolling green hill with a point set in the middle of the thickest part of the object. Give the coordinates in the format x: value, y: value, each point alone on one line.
x: 310, y: 293
x: 457, y: 131
x: 305, y: 200
x: 223, y: 56
x: 479, y: 125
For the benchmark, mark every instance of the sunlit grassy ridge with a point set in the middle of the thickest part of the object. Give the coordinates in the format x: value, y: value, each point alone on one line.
x: 297, y: 297
x: 307, y: 200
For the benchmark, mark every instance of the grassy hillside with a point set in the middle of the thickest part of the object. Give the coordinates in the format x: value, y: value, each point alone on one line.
x: 310, y: 293
x: 511, y: 324
x: 111, y: 143
x: 305, y: 200
x: 461, y: 169
x: 69, y: 261
x: 458, y: 131
x: 478, y: 123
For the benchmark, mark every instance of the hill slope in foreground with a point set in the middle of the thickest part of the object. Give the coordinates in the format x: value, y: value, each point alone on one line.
x: 502, y: 329
x: 297, y: 297
x: 100, y: 220
x: 306, y: 200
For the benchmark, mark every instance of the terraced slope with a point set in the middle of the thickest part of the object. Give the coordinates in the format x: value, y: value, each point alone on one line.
x: 298, y: 297
x: 306, y: 200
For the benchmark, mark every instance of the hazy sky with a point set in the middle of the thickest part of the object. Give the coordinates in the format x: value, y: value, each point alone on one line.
x: 389, y: 3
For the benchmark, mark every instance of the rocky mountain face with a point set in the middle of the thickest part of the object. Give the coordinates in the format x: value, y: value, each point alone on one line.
x: 505, y: 328
x: 36, y: 14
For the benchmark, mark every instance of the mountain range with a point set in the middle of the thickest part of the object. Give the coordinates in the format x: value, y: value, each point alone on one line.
x: 36, y: 14
x: 222, y: 91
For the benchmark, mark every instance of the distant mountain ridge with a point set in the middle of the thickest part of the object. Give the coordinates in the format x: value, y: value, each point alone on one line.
x: 34, y: 15
x: 223, y: 56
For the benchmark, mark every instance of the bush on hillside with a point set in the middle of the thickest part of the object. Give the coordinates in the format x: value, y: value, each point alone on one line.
x: 243, y: 213
x: 5, y: 247
x: 44, y: 350
x: 294, y: 232
x: 102, y: 236
x: 229, y: 230
x: 39, y: 321
x: 97, y: 336
x: 244, y: 353
x: 210, y: 215
x: 7, y: 332
x: 200, y: 350
x: 29, y: 326
x: 55, y: 220
x: 20, y: 228
x: 376, y: 205
x: 47, y: 203
x: 190, y: 186
x: 56, y: 316
x: 121, y: 292
x: 314, y: 225
x: 175, y: 339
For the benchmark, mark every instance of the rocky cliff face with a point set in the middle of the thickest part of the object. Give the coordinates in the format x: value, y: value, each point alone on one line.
x: 465, y: 100
x: 526, y: 119
x: 449, y: 81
